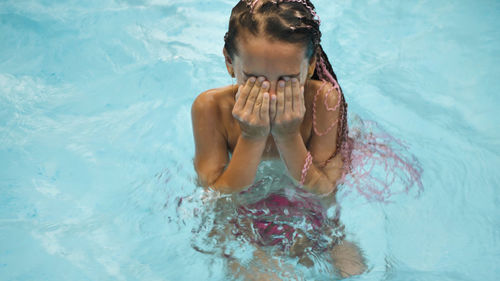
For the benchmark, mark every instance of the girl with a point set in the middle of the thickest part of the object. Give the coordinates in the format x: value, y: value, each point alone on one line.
x: 288, y: 106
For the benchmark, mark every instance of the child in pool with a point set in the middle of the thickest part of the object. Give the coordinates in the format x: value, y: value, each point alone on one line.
x: 287, y: 104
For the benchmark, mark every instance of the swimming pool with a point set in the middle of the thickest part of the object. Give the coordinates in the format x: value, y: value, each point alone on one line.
x: 96, y: 145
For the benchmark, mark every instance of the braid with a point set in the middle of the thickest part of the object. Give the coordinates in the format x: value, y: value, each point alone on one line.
x: 324, y: 71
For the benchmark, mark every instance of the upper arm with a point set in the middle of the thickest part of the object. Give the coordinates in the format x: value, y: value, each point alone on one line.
x: 211, y: 154
x: 323, y: 147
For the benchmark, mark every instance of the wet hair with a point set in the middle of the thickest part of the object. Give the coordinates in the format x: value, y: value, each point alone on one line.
x: 289, y: 22
x: 292, y: 21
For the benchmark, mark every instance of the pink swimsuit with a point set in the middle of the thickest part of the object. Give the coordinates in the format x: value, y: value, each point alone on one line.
x: 276, y: 219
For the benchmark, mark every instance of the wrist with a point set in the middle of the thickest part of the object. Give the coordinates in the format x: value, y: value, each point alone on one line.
x: 286, y: 138
x: 253, y: 139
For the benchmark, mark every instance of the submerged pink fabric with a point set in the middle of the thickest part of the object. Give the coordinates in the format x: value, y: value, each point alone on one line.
x: 273, y: 219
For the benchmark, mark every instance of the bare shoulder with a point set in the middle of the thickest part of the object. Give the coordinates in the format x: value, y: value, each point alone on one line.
x: 325, y: 106
x: 322, y: 91
x: 324, y: 98
x: 213, y: 101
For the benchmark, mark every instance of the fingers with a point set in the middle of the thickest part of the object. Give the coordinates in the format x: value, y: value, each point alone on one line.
x: 264, y: 109
x: 243, y: 92
x: 280, y: 98
x: 296, y: 93
x: 272, y: 110
x: 254, y: 98
x: 254, y: 94
x: 259, y: 101
x: 238, y: 92
x: 288, y: 96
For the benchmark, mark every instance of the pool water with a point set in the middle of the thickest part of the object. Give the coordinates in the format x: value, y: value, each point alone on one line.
x: 96, y: 144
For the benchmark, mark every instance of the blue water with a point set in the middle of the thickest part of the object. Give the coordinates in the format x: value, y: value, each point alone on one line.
x: 96, y: 146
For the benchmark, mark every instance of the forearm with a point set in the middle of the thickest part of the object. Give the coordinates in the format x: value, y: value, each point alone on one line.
x: 293, y: 152
x: 241, y: 170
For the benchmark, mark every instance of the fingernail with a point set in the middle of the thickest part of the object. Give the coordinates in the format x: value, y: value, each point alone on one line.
x: 252, y: 79
x: 265, y: 85
x: 294, y: 80
x: 281, y: 84
x: 261, y: 79
x: 286, y: 78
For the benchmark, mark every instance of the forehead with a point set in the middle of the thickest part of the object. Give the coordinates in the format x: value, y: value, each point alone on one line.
x: 259, y: 51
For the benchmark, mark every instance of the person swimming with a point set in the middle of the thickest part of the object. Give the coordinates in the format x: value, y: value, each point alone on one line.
x: 288, y: 106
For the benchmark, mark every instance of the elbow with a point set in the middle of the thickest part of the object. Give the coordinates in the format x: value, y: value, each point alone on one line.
x: 213, y: 184
x: 223, y: 187
x: 321, y: 184
x: 206, y: 176
x: 323, y: 187
x: 328, y: 188
x: 217, y: 182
